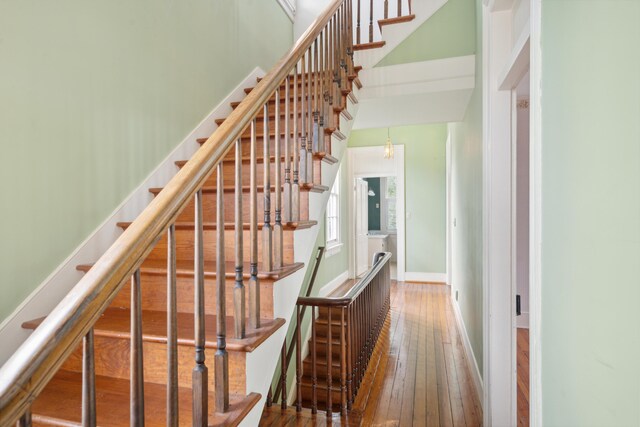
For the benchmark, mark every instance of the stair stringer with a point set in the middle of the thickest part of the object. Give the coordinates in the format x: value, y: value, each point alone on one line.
x: 393, y: 35
x: 261, y: 363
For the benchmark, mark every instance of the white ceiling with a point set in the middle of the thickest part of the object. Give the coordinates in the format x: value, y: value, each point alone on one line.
x: 418, y: 93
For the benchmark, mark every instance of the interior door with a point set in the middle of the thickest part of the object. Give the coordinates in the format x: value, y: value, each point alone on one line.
x: 362, y: 225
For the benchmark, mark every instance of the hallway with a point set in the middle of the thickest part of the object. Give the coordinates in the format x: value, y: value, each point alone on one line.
x: 418, y: 375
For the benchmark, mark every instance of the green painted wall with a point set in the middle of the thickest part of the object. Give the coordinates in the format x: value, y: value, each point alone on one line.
x: 448, y: 33
x: 466, y: 205
x: 373, y: 217
x: 425, y: 190
x: 590, y: 213
x: 93, y: 95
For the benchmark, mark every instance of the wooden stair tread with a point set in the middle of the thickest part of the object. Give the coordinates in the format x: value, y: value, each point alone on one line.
x: 314, y: 188
x: 185, y: 268
x: 115, y: 323
x: 396, y: 20
x: 61, y: 401
x: 299, y: 225
x: 372, y: 45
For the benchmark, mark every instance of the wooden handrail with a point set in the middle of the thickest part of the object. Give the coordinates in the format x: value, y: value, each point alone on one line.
x: 30, y: 368
x: 380, y: 259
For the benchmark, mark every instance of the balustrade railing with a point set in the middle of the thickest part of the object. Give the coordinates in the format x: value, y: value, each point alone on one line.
x: 320, y: 68
x: 370, y: 16
x: 352, y: 323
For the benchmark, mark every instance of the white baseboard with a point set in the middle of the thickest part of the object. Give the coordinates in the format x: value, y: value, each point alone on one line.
x: 475, y: 371
x: 51, y: 291
x: 418, y: 276
x: 333, y: 284
x: 522, y: 321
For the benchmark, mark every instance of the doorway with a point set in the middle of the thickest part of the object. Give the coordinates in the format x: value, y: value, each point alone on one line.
x: 521, y: 242
x: 376, y: 221
x: 377, y: 181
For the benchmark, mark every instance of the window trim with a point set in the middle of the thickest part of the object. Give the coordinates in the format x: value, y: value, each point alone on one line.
x: 334, y: 246
x: 289, y: 8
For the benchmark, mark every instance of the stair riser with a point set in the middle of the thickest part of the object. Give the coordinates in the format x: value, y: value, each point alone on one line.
x: 154, y: 295
x: 321, y: 396
x: 322, y: 331
x: 185, y: 246
x: 321, y: 372
x: 321, y: 350
x: 209, y: 208
x: 112, y: 357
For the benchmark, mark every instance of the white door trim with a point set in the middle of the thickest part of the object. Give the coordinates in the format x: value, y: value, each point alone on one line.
x: 535, y: 221
x: 499, y: 362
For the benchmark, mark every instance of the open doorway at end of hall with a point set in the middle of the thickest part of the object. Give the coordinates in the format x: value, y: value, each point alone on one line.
x: 376, y: 221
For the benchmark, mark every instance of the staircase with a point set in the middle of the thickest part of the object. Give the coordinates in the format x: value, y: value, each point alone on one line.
x: 162, y: 327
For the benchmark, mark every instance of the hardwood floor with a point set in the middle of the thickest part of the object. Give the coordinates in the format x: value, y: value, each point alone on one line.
x: 523, y: 377
x: 418, y: 374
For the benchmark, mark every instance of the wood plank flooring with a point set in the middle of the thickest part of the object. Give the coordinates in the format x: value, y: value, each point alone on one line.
x: 523, y: 377
x: 418, y: 374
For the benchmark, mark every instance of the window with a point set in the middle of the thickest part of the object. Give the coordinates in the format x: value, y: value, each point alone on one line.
x: 389, y: 204
x: 332, y: 225
x: 289, y: 7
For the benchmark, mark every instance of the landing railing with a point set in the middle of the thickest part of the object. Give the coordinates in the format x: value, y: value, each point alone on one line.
x: 313, y: 78
x: 371, y: 15
x: 358, y: 317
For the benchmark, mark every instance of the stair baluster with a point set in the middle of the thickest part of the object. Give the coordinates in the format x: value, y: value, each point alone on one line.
x: 88, y: 381
x: 200, y: 374
x: 314, y: 364
x: 303, y: 120
x: 348, y: 331
x: 286, y: 207
x: 399, y: 8
x: 320, y: 93
x: 371, y: 21
x: 298, y: 345
x: 277, y: 227
x: 238, y: 290
x: 267, y: 236
x: 343, y: 364
x: 295, y: 189
x: 316, y: 110
x: 386, y: 9
x: 221, y: 357
x: 137, y: 364
x: 254, y: 285
x: 283, y: 378
x: 310, y: 120
x: 172, y: 330
x: 358, y: 25
x: 329, y: 364
x: 25, y: 419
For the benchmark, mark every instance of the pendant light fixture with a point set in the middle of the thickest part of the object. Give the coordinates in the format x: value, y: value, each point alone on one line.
x: 388, y: 147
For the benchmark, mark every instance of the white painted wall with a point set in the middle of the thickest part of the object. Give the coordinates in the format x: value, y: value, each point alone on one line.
x: 520, y: 18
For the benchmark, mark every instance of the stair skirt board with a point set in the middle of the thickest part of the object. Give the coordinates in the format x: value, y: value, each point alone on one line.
x: 53, y: 289
x: 261, y: 363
